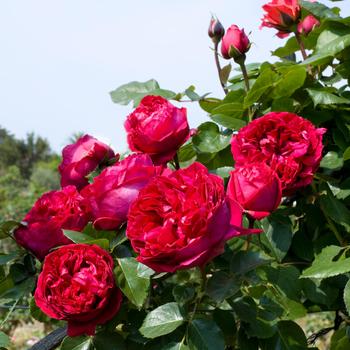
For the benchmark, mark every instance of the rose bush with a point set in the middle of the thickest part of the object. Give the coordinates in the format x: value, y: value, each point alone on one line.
x: 171, y: 226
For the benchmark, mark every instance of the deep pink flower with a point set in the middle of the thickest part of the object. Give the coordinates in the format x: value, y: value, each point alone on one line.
x: 158, y: 128
x: 308, y: 24
x: 257, y: 188
x: 112, y: 192
x: 182, y: 220
x: 235, y: 43
x: 281, y: 15
x: 77, y: 285
x: 81, y: 158
x: 289, y: 144
x: 52, y: 212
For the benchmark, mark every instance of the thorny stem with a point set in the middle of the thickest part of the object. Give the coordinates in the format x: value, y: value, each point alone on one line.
x: 217, y: 62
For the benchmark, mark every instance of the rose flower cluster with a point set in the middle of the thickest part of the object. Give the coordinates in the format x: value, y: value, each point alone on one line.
x: 176, y: 218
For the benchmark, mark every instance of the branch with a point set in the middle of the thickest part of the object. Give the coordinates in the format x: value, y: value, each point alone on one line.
x: 52, y: 340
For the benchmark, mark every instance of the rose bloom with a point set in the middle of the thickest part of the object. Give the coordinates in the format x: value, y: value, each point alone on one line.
x: 157, y: 128
x: 81, y: 158
x: 77, y: 285
x: 182, y: 220
x: 289, y: 144
x: 281, y: 15
x: 110, y: 195
x: 235, y: 43
x: 257, y: 188
x: 52, y: 212
x: 307, y: 25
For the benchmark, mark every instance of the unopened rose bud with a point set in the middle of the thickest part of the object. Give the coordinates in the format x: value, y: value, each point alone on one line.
x: 235, y: 43
x: 216, y: 30
x: 308, y: 24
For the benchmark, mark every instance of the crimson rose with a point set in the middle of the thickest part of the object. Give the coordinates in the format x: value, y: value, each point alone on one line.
x: 235, y: 43
x: 157, y: 128
x: 257, y: 188
x: 52, y: 212
x: 77, y: 285
x: 112, y: 192
x: 182, y: 220
x: 289, y: 144
x: 281, y: 15
x: 81, y: 158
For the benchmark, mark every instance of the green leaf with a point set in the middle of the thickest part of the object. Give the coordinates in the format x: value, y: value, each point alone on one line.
x: 265, y: 81
x: 245, y: 261
x: 318, y: 9
x: 347, y: 296
x: 162, y: 320
x: 7, y: 227
x: 340, y: 340
x: 326, y: 53
x: 4, y: 340
x: 209, y: 139
x: 77, y: 343
x: 346, y: 155
x: 108, y: 341
x: 135, y: 91
x: 225, y: 73
x: 79, y: 237
x: 174, y: 346
x: 324, y: 265
x: 36, y: 312
x: 289, y: 336
x: 183, y: 293
x: 6, y: 258
x: 134, y: 286
x: 277, y: 236
x: 293, y: 78
x: 323, y: 97
x: 228, y: 121
x: 332, y: 160
x: 205, y: 335
x: 221, y: 286
x: 289, y: 48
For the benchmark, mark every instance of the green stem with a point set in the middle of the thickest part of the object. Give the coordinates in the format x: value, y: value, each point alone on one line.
x: 176, y: 161
x: 241, y: 63
x: 218, y: 67
x: 301, y: 45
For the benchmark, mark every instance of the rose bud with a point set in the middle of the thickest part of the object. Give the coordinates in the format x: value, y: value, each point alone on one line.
x: 157, y: 128
x: 52, y: 212
x: 77, y: 285
x: 307, y: 25
x: 81, y: 158
x: 216, y: 30
x: 183, y: 219
x: 235, y: 43
x: 112, y: 192
x: 257, y: 188
x: 281, y: 15
x: 289, y: 144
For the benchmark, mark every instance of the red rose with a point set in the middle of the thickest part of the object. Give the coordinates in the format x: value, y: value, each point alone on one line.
x: 157, y: 128
x: 307, y: 25
x: 77, y: 285
x: 81, y: 158
x: 235, y: 43
x: 281, y: 15
x: 112, y: 192
x: 289, y: 144
x: 257, y: 188
x: 52, y: 212
x: 182, y: 220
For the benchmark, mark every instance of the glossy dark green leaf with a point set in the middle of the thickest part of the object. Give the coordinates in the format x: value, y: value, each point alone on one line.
x: 4, y: 340
x: 318, y: 9
x: 340, y: 340
x: 6, y: 258
x: 205, y: 335
x: 77, y: 343
x: 245, y: 261
x: 332, y: 160
x: 108, y: 341
x: 324, y: 265
x: 289, y: 336
x: 175, y: 346
x: 134, y: 286
x: 323, y: 97
x: 209, y: 139
x: 228, y: 121
x: 221, y: 286
x: 135, y: 91
x: 162, y: 320
x: 79, y: 237
x: 292, y: 78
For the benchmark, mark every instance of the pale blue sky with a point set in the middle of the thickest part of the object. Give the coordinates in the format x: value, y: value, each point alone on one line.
x: 60, y: 58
